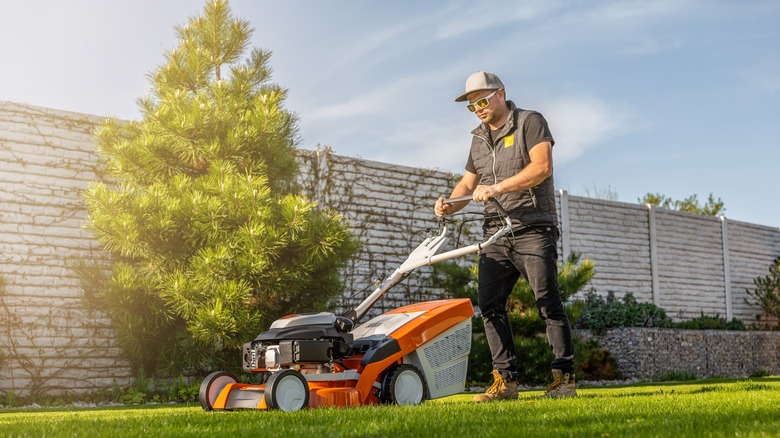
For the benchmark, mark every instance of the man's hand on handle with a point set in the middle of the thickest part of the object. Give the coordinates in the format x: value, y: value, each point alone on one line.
x: 481, y: 193
x: 484, y: 193
x: 442, y: 209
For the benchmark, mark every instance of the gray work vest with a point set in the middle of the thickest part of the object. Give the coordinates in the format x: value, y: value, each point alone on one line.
x: 505, y: 157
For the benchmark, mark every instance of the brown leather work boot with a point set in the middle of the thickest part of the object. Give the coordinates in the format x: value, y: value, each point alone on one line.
x: 562, y: 385
x: 499, y: 390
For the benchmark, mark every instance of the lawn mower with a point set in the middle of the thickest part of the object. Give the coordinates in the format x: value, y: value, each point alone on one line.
x: 404, y: 356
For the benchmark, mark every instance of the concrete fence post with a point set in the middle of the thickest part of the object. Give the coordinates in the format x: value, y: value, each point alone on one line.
x: 724, y: 228
x: 564, y: 225
x: 654, y: 255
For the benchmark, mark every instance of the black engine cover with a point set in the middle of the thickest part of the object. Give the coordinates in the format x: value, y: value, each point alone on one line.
x: 309, y: 331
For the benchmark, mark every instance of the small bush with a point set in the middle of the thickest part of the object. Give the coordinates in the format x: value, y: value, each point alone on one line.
x: 707, y: 322
x: 594, y: 362
x: 10, y: 399
x: 767, y: 292
x: 133, y: 396
x: 759, y: 373
x: 189, y: 393
x: 533, y: 359
x: 599, y: 314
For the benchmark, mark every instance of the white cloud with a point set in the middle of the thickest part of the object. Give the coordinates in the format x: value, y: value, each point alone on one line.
x: 642, y: 45
x: 627, y: 27
x: 579, y: 124
x: 370, y: 44
x: 434, y: 144
x: 380, y: 99
x: 630, y: 13
x: 765, y: 74
x: 482, y: 16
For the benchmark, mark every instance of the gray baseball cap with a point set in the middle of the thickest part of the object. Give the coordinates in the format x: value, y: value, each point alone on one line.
x: 479, y: 81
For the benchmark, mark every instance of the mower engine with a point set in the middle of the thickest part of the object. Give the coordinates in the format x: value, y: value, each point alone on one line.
x: 307, y: 342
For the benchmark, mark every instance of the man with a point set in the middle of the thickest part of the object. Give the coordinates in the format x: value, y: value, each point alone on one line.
x: 511, y: 160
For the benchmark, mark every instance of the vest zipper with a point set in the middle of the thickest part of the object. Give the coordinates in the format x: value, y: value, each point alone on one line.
x: 495, y: 176
x: 493, y: 154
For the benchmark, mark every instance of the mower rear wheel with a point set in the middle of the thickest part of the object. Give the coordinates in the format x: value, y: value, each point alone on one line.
x: 286, y: 390
x: 404, y: 385
x: 212, y: 386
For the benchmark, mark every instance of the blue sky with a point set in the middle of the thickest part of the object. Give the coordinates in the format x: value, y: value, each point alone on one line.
x: 677, y: 97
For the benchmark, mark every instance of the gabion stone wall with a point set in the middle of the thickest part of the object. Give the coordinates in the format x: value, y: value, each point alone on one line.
x: 652, y: 352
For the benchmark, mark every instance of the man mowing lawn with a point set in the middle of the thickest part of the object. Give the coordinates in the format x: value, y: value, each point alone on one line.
x: 511, y: 160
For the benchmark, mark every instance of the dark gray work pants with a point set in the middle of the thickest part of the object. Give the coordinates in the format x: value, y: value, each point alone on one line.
x: 532, y: 253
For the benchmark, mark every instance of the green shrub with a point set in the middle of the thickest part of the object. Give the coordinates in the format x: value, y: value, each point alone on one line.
x: 533, y: 359
x: 599, y: 313
x: 707, y: 322
x: 10, y: 398
x: 594, y: 362
x: 189, y: 393
x: 767, y: 293
x: 480, y: 365
x: 759, y: 373
x: 133, y: 396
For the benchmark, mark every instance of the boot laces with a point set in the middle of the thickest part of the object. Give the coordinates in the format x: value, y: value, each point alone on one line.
x: 555, y: 384
x: 498, y: 383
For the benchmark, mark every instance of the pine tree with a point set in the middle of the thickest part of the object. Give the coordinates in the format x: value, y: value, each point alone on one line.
x: 201, y: 215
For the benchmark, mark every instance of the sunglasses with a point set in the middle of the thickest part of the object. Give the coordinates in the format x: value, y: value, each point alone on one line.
x: 481, y: 103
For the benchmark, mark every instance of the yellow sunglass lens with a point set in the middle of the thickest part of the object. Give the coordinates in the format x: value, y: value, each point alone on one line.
x: 481, y: 103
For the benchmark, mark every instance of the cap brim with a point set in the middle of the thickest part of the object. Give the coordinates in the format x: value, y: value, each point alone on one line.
x: 463, y: 97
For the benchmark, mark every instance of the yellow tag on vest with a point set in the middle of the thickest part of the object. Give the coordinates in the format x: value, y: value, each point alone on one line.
x: 509, y: 141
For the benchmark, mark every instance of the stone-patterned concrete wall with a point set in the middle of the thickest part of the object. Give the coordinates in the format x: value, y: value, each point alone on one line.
x: 651, y: 352
x: 50, y: 341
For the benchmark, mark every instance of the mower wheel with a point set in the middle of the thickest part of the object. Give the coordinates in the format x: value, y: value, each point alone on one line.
x: 404, y: 385
x: 212, y: 386
x: 287, y: 390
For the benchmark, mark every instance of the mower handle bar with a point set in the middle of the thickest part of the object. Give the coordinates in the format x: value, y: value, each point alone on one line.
x: 493, y: 201
x: 425, y: 254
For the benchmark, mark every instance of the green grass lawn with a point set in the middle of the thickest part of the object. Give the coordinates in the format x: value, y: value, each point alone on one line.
x: 705, y: 408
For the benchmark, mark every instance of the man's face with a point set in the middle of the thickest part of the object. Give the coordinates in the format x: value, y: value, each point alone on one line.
x: 486, y: 113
